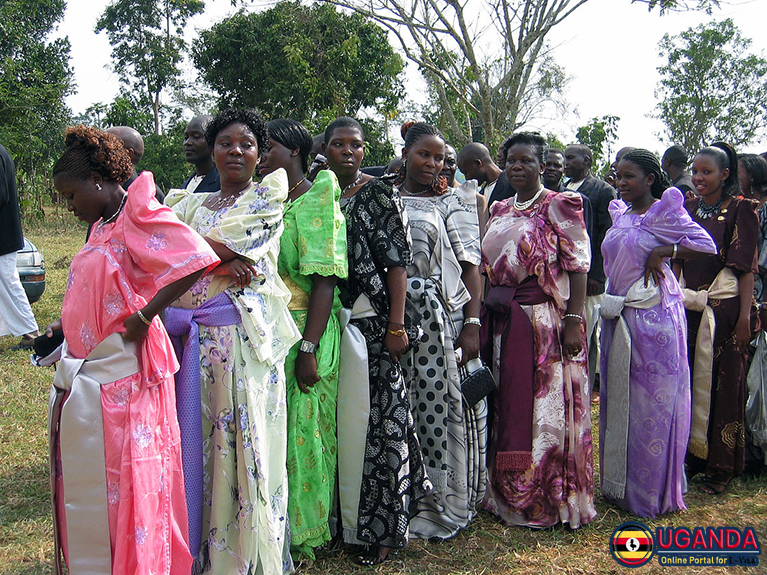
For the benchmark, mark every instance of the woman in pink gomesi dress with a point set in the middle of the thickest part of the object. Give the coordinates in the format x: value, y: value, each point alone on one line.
x: 116, y: 466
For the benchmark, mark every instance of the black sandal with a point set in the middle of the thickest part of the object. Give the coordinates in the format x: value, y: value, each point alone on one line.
x: 376, y: 556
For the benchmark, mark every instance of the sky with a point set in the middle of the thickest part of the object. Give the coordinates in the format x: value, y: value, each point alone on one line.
x: 609, y: 47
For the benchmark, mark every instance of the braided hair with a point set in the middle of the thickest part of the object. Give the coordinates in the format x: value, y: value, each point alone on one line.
x: 725, y: 157
x: 293, y: 135
x: 411, y: 133
x: 649, y: 164
x: 90, y: 150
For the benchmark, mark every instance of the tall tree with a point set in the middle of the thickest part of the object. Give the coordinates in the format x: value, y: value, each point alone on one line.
x: 712, y: 87
x: 309, y: 63
x: 147, y: 39
x: 487, y: 61
x: 35, y: 78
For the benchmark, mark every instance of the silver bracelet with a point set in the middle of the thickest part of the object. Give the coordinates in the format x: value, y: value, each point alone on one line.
x: 307, y: 346
x: 673, y: 253
x: 143, y: 318
x: 580, y: 317
x: 472, y: 321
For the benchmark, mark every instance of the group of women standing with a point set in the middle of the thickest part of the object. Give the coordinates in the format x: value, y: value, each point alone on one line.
x: 323, y: 330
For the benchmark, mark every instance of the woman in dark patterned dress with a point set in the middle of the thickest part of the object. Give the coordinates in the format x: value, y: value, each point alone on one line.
x: 719, y: 305
x: 381, y: 474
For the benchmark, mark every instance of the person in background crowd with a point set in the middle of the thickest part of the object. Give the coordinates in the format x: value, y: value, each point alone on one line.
x: 726, y: 280
x: 196, y: 151
x: 752, y: 174
x: 553, y: 176
x: 675, y: 161
x: 475, y: 163
x: 644, y: 422
x: 381, y: 474
x: 449, y: 165
x: 444, y: 285
x: 16, y: 316
x: 134, y: 144
x: 312, y: 260
x: 536, y: 254
x: 118, y: 485
x: 238, y: 332
x: 600, y: 194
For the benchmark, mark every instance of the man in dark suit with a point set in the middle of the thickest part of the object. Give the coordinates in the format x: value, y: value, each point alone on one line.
x: 205, y: 177
x: 578, y: 160
x: 553, y: 176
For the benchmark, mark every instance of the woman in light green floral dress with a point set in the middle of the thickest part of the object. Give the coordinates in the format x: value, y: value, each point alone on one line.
x: 312, y: 259
x: 244, y: 335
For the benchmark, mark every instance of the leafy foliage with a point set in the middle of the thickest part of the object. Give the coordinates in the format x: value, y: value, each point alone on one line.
x: 599, y: 135
x: 35, y: 78
x: 712, y: 87
x: 312, y: 64
x: 666, y: 6
x: 147, y: 39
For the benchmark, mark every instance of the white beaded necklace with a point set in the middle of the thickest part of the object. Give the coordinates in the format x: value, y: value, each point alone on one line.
x: 524, y: 205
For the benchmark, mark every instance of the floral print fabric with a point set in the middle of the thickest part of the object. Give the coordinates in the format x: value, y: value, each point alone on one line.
x: 120, y: 269
x: 547, y: 241
x: 245, y: 529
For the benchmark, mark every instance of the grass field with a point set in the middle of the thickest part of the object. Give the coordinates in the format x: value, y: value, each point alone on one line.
x: 485, y: 547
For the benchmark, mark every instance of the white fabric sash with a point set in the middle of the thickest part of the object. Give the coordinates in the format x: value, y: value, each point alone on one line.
x: 724, y: 286
x: 75, y: 422
x: 353, y: 412
x: 615, y: 448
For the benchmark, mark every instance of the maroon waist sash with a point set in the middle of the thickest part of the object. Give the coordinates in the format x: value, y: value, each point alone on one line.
x: 503, y: 315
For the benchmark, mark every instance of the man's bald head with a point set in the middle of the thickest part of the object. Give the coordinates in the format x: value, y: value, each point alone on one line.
x: 476, y: 163
x: 132, y: 141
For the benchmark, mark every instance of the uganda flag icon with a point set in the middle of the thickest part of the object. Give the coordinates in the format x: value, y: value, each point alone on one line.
x: 631, y: 544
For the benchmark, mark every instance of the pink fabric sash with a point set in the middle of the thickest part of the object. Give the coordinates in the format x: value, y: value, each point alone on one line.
x: 502, y: 315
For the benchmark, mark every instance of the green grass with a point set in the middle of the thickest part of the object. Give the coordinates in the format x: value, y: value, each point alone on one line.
x: 486, y: 547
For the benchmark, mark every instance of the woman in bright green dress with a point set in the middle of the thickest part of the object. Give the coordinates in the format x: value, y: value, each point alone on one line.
x: 312, y: 259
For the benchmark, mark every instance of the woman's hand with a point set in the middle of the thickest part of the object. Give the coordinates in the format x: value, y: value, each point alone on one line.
x: 571, y: 337
x: 135, y: 328
x: 742, y: 332
x: 654, y: 268
x: 53, y: 326
x: 396, y: 345
x: 306, y: 371
x: 240, y: 270
x: 468, y: 341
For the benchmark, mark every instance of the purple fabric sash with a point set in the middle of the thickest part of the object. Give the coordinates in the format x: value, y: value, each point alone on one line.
x: 180, y: 322
x: 513, y: 415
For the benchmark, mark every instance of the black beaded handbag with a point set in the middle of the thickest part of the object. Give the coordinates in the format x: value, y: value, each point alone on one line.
x: 477, y: 381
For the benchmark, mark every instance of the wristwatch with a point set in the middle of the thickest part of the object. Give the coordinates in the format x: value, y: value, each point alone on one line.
x: 307, y: 346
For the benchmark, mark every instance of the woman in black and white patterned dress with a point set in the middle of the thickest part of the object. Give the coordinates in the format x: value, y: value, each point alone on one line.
x: 444, y: 285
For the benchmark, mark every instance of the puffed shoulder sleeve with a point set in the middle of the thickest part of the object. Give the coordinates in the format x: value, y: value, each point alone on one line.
x: 670, y: 222
x: 321, y: 229
x: 566, y: 216
x: 161, y: 245
x: 253, y: 224
x: 462, y: 223
x: 175, y: 196
x: 383, y: 218
x: 742, y: 252
x: 616, y: 209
